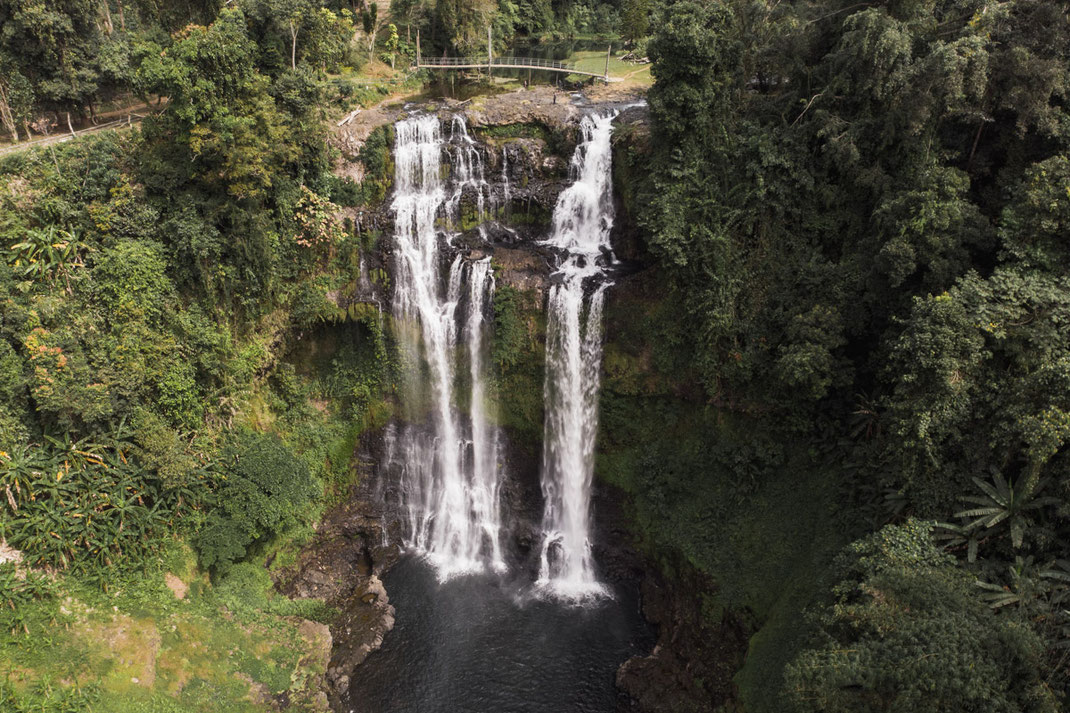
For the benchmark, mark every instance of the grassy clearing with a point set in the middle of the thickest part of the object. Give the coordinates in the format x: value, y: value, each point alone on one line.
x: 137, y: 648
x: 594, y: 61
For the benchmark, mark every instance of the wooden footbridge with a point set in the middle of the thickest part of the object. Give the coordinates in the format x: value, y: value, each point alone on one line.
x: 490, y: 62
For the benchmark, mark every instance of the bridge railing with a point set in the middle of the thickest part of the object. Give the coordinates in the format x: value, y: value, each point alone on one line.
x: 534, y: 62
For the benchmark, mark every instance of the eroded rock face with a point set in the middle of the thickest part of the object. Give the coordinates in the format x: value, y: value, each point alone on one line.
x: 541, y: 105
x: 350, y: 137
x: 342, y: 566
x: 691, y: 667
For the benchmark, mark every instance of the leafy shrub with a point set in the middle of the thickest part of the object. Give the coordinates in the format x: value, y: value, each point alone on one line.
x: 82, y: 504
x: 12, y: 375
x: 508, y: 327
x: 378, y: 164
x: 131, y: 281
x: 247, y: 590
x: 22, y: 587
x: 907, y: 631
x: 178, y: 395
x: 265, y: 488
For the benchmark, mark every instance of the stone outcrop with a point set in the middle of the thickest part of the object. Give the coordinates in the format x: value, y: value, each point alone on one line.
x: 540, y: 105
x: 342, y: 566
x: 691, y: 667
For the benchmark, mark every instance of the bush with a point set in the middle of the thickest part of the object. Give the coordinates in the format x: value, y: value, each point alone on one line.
x: 907, y: 631
x: 90, y: 506
x: 265, y: 488
x: 131, y: 282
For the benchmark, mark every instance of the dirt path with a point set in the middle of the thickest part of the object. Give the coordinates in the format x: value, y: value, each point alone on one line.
x: 118, y: 119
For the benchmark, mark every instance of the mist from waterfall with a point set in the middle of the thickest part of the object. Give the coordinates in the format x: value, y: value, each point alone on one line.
x: 582, y: 220
x: 447, y: 468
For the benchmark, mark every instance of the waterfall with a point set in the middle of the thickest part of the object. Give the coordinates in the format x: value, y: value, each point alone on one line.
x: 447, y: 470
x: 467, y: 170
x: 582, y: 221
x: 506, y: 190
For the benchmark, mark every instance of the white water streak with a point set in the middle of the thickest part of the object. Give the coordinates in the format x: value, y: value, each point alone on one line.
x: 583, y: 218
x: 449, y: 473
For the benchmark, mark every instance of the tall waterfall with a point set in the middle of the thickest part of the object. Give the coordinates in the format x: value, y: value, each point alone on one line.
x: 582, y: 221
x: 448, y: 469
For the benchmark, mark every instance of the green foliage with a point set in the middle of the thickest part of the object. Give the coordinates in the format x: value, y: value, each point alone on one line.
x: 359, y: 368
x: 248, y: 592
x: 465, y: 23
x: 635, y: 20
x: 50, y: 256
x: 1004, y: 505
x: 132, y: 282
x: 517, y: 351
x: 378, y: 163
x: 19, y: 588
x: 981, y: 383
x: 264, y: 489
x: 508, y: 328
x: 1035, y: 222
x: 906, y: 630
x: 220, y: 110
x: 47, y: 697
x: 86, y: 505
x: 861, y: 211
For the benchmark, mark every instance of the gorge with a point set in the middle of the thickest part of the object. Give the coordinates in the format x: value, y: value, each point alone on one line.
x: 720, y: 366
x: 466, y: 593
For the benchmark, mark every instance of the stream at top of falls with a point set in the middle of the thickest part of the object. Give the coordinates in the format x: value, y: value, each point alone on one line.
x: 476, y: 630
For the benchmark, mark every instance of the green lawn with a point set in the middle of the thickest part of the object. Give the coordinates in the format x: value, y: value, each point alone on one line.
x: 594, y: 61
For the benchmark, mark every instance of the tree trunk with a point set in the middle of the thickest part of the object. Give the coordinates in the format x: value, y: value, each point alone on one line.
x: 69, y: 125
x: 122, y: 18
x: 293, y: 46
x: 108, y: 26
x: 6, y: 116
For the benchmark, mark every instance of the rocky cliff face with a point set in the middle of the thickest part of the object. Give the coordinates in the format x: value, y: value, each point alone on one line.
x: 342, y: 565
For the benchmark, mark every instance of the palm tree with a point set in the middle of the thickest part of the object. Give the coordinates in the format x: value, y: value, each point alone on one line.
x: 1005, y: 505
x: 47, y: 255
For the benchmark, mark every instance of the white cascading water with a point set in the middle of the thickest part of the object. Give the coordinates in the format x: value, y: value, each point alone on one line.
x: 582, y: 221
x: 448, y: 472
x: 467, y: 171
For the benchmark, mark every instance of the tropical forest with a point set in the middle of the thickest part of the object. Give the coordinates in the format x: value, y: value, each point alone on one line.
x: 534, y: 356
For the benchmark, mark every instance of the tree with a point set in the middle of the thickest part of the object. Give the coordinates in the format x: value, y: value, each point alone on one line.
x: 371, y: 23
x: 906, y: 630
x: 466, y: 22
x: 635, y: 20
x: 413, y: 12
x: 55, y: 46
x: 981, y: 379
x: 16, y: 98
x: 265, y: 488
x: 220, y: 108
x: 391, y: 44
x: 294, y: 16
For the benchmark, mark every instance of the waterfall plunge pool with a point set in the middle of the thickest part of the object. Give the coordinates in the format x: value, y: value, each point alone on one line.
x: 487, y: 644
